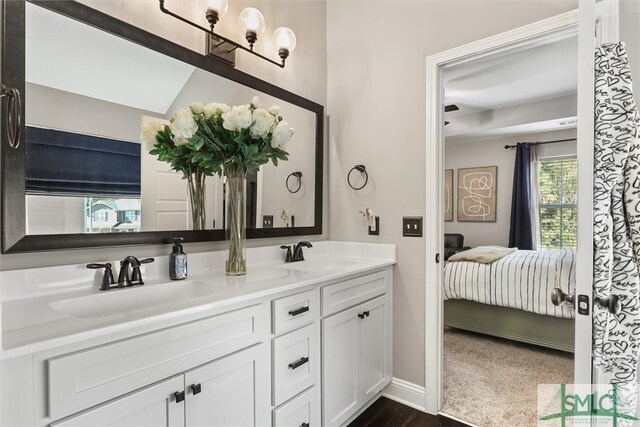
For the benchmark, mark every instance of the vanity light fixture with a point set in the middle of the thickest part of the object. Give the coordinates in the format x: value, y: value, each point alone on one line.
x: 253, y: 24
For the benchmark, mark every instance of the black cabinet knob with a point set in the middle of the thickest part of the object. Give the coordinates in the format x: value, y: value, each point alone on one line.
x: 179, y: 396
x: 304, y: 425
x: 196, y: 388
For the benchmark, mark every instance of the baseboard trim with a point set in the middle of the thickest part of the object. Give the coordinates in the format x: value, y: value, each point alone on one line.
x: 407, y: 393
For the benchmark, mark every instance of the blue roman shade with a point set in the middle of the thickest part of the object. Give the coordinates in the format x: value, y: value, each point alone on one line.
x: 72, y: 164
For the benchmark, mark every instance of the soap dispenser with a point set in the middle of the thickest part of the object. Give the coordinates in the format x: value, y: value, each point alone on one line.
x: 177, y: 261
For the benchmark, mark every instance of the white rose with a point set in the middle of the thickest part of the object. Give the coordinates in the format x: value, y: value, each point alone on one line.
x: 215, y: 109
x: 262, y: 123
x: 274, y: 110
x: 239, y: 117
x: 281, y: 134
x: 183, y: 126
x: 255, y: 102
x: 148, y: 134
x: 197, y: 108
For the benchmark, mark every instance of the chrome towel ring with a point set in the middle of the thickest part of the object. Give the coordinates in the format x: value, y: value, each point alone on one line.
x: 363, y: 170
x: 13, y: 114
x: 295, y: 175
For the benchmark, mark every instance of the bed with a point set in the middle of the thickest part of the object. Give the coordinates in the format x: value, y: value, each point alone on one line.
x: 510, y: 298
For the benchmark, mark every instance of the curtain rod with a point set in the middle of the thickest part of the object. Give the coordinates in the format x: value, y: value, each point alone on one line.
x: 540, y: 142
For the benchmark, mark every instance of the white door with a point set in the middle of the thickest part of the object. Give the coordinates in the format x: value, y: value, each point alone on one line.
x: 375, y: 347
x: 164, y: 195
x: 340, y: 366
x: 153, y: 406
x: 231, y: 391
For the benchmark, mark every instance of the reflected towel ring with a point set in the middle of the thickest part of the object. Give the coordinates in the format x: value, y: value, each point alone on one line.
x: 361, y: 169
x: 297, y: 175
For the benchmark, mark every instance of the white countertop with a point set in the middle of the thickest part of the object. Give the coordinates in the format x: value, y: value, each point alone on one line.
x: 39, y: 313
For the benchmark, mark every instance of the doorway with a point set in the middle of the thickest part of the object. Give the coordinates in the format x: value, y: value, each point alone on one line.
x: 544, y: 32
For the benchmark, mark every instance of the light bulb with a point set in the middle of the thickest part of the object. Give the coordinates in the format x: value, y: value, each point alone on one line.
x: 218, y: 6
x: 285, y: 39
x: 252, y: 21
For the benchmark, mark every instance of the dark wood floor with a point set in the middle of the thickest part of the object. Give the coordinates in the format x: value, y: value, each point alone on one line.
x: 386, y: 412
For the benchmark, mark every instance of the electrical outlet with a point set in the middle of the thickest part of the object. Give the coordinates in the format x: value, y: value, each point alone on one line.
x: 375, y: 232
x: 267, y: 221
x: 412, y: 226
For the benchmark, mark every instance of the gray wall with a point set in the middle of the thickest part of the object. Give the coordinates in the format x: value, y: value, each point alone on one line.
x: 305, y: 75
x: 376, y: 100
x: 491, y: 152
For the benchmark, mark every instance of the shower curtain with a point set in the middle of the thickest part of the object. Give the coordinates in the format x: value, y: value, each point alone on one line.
x: 616, y: 217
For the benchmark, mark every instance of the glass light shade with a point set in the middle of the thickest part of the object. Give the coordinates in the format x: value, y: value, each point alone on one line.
x: 252, y: 20
x: 285, y: 38
x: 219, y: 6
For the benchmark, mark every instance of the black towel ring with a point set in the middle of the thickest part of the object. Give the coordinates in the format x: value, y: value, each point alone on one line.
x: 297, y: 175
x: 361, y: 169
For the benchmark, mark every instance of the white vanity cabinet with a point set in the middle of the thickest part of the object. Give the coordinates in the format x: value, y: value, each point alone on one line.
x: 356, y: 346
x: 304, y: 355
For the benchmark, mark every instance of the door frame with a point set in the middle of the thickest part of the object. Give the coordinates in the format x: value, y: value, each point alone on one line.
x: 577, y: 22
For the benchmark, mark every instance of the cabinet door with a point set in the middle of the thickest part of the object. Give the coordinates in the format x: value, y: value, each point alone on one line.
x: 340, y: 366
x: 152, y: 406
x: 375, y: 347
x: 231, y: 391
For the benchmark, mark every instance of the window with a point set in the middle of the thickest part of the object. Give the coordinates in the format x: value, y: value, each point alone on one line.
x: 558, y: 203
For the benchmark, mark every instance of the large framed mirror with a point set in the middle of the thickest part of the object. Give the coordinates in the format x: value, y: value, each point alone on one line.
x: 80, y: 177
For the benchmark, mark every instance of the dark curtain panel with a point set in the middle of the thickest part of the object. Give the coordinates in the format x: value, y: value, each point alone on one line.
x: 71, y: 164
x: 521, y: 231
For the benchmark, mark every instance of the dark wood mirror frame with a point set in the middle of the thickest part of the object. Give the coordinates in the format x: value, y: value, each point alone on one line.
x: 14, y: 237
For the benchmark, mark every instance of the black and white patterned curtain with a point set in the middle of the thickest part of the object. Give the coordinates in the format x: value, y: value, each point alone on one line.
x: 616, y: 216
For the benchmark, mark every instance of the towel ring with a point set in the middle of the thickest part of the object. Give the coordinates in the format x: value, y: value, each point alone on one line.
x: 297, y: 175
x: 361, y: 169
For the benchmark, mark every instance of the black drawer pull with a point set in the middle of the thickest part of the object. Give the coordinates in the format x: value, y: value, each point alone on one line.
x: 179, y: 396
x: 363, y: 314
x: 298, y: 311
x: 298, y: 363
x: 196, y: 388
x: 304, y: 425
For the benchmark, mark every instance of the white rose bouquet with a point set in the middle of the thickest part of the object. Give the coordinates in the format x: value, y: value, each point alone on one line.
x: 204, y: 140
x: 215, y: 138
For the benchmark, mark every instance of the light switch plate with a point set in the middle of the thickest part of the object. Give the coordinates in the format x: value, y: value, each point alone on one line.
x: 267, y: 221
x: 375, y: 232
x: 412, y: 226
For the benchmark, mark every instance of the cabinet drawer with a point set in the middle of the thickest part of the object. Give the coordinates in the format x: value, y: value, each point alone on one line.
x: 294, y: 311
x: 302, y: 410
x: 80, y: 380
x: 296, y: 362
x: 349, y: 293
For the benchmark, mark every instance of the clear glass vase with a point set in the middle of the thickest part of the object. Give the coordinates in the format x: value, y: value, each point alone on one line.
x: 196, y: 198
x: 236, y: 223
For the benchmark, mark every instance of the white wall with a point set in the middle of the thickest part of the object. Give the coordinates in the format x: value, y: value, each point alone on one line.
x: 305, y: 75
x: 491, y: 152
x: 376, y: 97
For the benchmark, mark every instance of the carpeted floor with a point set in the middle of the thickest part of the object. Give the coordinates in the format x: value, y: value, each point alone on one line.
x: 493, y: 382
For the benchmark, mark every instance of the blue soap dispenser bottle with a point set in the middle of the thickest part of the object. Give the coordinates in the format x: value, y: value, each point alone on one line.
x: 177, y: 261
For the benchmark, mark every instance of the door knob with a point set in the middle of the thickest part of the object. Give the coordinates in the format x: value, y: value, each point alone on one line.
x: 559, y: 297
x: 611, y: 303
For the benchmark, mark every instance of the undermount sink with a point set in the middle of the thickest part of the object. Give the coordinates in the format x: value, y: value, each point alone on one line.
x: 320, y: 264
x: 120, y: 301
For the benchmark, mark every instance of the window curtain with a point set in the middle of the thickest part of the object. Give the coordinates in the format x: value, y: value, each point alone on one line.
x: 521, y: 234
x: 534, y: 180
x: 72, y: 164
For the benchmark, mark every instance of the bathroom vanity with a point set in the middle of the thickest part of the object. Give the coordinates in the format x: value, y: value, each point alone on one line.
x: 297, y: 344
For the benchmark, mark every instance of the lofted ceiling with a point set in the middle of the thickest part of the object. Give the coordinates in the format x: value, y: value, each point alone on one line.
x: 522, y: 92
x: 60, y: 52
